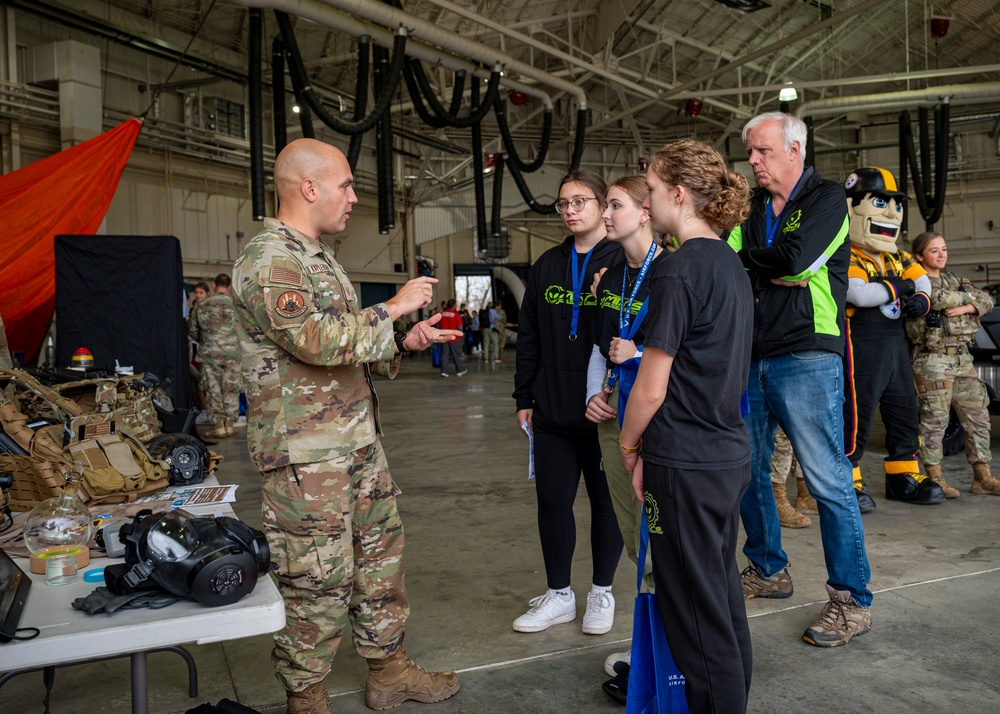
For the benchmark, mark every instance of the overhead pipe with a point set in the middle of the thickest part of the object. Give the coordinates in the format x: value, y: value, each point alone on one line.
x: 955, y: 93
x: 280, y: 119
x: 301, y: 78
x: 416, y: 98
x: 360, y: 99
x: 931, y: 206
x: 256, y: 110
x: 497, y: 196
x: 477, y: 110
x: 425, y: 42
x: 477, y: 174
x: 382, y: 76
x: 508, y: 140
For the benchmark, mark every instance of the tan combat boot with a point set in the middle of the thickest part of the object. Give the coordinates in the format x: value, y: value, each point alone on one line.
x: 396, y: 679
x: 984, y: 483
x: 934, y: 471
x: 314, y: 699
x: 805, y: 503
x: 230, y: 429
x: 218, y: 431
x: 789, y: 517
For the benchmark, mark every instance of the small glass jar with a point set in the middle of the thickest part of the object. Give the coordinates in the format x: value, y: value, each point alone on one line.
x: 58, y: 529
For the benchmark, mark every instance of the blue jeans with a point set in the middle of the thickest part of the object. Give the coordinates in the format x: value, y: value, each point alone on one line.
x: 803, y: 392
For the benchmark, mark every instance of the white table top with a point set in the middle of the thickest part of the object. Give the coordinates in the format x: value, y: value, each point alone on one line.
x: 69, y: 635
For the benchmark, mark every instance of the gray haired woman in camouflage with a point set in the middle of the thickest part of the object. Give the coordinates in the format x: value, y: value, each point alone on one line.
x: 943, y: 370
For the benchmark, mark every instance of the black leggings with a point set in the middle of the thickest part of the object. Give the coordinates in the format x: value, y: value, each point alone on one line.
x: 559, y: 458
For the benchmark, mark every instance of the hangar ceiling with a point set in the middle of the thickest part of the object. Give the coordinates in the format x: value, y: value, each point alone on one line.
x: 646, y: 71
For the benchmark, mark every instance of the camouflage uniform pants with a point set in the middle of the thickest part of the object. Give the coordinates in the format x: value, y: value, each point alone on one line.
x: 220, y: 383
x: 783, y: 461
x: 628, y: 510
x: 945, y: 381
x: 337, y: 540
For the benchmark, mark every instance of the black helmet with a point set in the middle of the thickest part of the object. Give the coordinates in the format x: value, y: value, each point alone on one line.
x: 872, y: 179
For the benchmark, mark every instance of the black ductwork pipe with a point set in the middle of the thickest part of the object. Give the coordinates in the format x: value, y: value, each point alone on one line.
x: 931, y: 206
x: 477, y: 110
x: 305, y: 116
x: 497, y: 195
x: 278, y: 94
x: 416, y: 96
x: 256, y: 101
x: 383, y: 145
x: 301, y: 79
x: 508, y: 140
x: 904, y: 120
x: 360, y: 99
x: 477, y: 175
x: 550, y: 208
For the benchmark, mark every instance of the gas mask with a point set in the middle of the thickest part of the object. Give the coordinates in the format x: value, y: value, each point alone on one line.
x: 213, y: 561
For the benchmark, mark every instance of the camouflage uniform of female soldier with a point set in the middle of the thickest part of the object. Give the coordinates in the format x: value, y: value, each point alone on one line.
x: 945, y: 376
x: 783, y: 462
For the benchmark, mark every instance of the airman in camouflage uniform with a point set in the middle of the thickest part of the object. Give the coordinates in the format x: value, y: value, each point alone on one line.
x: 329, y: 503
x: 783, y: 462
x: 212, y: 324
x: 943, y: 371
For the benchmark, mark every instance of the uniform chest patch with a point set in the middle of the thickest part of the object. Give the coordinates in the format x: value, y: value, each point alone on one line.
x: 290, y: 304
x: 318, y: 268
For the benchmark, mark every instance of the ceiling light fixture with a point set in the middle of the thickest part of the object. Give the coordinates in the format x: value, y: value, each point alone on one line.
x: 787, y: 93
x: 296, y: 110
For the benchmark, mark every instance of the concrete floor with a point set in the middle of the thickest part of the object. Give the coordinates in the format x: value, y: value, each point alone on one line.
x: 473, y: 561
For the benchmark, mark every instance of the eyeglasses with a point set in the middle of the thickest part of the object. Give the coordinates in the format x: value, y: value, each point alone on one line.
x: 576, y: 203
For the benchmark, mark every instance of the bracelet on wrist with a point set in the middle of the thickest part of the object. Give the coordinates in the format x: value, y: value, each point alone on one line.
x: 628, y: 449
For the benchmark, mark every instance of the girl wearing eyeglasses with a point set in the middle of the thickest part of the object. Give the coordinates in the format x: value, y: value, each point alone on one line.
x: 557, y: 328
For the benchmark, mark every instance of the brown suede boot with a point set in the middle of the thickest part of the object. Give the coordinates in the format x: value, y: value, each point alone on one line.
x: 789, y: 517
x: 934, y: 471
x: 396, y: 679
x: 804, y: 503
x: 984, y: 483
x: 218, y: 431
x: 314, y: 699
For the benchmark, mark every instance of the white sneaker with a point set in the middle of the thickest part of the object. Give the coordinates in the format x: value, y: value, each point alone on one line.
x: 546, y: 611
x: 240, y: 423
x: 613, y: 659
x: 444, y: 374
x: 600, y: 615
x: 202, y: 418
x: 462, y: 372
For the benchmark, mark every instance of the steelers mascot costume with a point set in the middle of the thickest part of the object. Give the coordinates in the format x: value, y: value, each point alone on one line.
x: 885, y: 284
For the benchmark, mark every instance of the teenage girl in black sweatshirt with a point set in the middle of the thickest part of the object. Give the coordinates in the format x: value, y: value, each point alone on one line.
x: 557, y: 329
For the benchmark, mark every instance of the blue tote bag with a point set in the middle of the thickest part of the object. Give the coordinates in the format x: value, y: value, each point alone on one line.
x: 655, y: 685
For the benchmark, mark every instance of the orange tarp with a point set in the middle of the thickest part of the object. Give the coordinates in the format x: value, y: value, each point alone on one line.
x: 64, y: 194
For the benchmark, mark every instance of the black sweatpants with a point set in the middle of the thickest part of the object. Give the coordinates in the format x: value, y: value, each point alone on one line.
x: 694, y: 519
x: 880, y: 374
x: 559, y: 459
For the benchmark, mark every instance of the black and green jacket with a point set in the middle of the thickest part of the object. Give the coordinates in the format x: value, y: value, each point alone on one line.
x: 811, y: 243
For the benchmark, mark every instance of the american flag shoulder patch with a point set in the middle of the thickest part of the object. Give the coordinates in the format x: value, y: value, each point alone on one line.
x: 285, y: 276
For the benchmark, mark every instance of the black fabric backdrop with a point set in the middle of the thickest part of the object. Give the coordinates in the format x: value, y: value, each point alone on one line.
x: 121, y: 298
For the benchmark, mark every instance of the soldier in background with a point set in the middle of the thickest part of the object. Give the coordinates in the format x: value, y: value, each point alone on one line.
x: 783, y: 462
x: 212, y: 325
x: 943, y: 369
x: 329, y: 503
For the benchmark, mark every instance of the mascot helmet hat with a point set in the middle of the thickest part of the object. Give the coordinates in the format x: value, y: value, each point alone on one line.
x: 876, y: 209
x: 873, y: 180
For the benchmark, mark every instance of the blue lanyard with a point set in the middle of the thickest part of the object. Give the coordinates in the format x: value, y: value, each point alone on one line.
x: 625, y: 309
x: 578, y: 273
x: 772, y: 222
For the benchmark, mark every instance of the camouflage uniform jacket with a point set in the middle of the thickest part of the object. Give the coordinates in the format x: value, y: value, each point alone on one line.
x: 307, y: 351
x: 949, y: 291
x: 212, y: 324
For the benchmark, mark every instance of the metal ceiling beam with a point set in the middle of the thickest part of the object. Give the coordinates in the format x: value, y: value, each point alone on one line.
x: 762, y: 52
x: 609, y: 18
